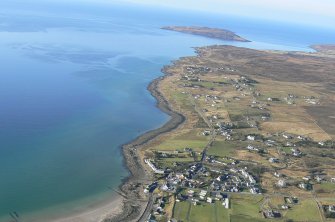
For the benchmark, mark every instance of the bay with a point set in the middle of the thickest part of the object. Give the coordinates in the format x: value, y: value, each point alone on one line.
x: 73, y: 81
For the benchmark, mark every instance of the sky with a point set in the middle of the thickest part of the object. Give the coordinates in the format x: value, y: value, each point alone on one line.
x: 309, y: 12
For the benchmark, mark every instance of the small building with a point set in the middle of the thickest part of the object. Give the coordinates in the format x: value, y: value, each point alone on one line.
x: 318, y: 178
x: 218, y: 196
x: 180, y: 176
x: 250, y: 137
x: 271, y: 214
x: 276, y: 174
x: 288, y: 144
x: 287, y: 136
x: 301, y: 137
x: 202, y: 194
x: 306, y: 178
x: 250, y: 147
x: 296, y: 152
x: 153, y: 167
x: 190, y: 193
x: 195, y: 202
x: 284, y: 207
x: 209, y: 200
x: 305, y: 186
x: 225, y: 203
x: 273, y: 160
x: 281, y: 183
x: 206, y: 133
x: 251, y: 179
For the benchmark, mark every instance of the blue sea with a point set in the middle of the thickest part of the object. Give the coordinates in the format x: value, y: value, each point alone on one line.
x: 73, y: 80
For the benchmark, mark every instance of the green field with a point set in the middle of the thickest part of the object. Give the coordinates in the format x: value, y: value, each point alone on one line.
x: 306, y: 210
x: 168, y: 162
x: 181, y: 210
x: 195, y: 134
x: 182, y: 99
x: 207, y: 85
x: 186, y: 212
x: 325, y: 187
x: 241, y: 218
x: 287, y: 150
x: 246, y: 207
x: 222, y: 148
x: 168, y: 145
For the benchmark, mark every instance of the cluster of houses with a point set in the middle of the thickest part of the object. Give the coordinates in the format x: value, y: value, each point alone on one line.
x: 312, y: 101
x: 290, y: 99
x: 191, y: 78
x: 242, y: 83
x: 203, y: 184
x: 158, y: 207
x: 224, y: 128
x: 196, y: 176
x: 258, y: 105
x: 194, y: 70
x: 329, y: 211
x: 271, y: 214
x: 296, y: 152
x: 252, y: 148
x: 227, y: 161
x: 196, y: 197
x: 212, y: 99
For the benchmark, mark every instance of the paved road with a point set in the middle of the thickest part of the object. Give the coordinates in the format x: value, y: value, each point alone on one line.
x: 148, y: 209
x: 210, y: 125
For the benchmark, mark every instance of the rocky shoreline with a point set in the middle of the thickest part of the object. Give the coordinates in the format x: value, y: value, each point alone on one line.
x: 134, y: 203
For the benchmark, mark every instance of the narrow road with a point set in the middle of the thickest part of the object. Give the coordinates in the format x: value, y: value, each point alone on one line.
x: 148, y: 209
x: 319, y: 206
x: 209, y: 124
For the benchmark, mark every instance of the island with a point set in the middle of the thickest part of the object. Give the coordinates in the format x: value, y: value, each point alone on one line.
x: 327, y: 48
x: 216, y: 33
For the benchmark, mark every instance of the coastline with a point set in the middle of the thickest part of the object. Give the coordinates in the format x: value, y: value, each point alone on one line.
x: 129, y: 202
x: 134, y: 207
x: 133, y: 203
x: 95, y: 213
x: 92, y: 212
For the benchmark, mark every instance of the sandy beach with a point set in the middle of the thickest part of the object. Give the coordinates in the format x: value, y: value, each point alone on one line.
x: 93, y: 213
x: 96, y: 214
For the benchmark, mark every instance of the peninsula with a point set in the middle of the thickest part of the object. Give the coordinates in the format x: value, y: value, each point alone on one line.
x: 326, y: 49
x: 221, y: 34
x: 251, y: 137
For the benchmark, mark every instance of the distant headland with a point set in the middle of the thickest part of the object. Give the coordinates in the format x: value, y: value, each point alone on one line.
x: 216, y: 33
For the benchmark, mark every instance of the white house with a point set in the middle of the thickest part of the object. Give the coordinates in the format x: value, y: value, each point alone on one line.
x: 153, y: 167
x: 250, y: 137
x: 281, y: 183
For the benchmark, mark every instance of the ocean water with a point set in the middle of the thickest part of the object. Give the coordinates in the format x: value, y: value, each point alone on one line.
x: 73, y: 81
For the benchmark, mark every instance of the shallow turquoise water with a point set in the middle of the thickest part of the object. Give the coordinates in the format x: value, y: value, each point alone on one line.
x: 73, y: 89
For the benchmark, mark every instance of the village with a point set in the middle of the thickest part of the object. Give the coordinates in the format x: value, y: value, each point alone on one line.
x: 210, y: 174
